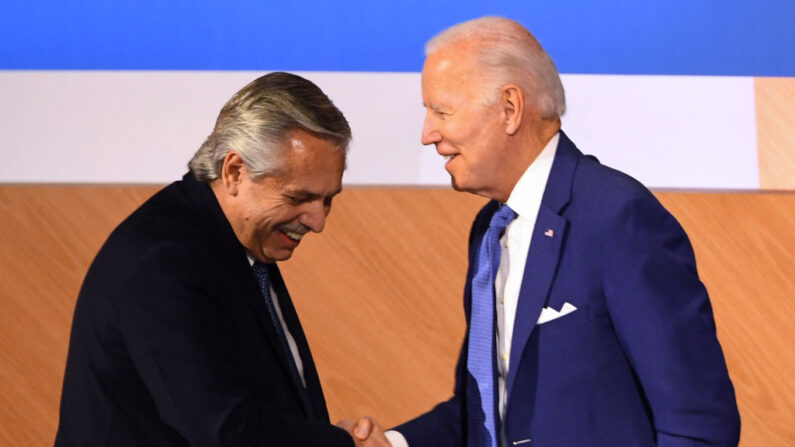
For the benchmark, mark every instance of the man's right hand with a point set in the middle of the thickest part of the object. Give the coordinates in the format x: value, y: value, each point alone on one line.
x: 366, y: 432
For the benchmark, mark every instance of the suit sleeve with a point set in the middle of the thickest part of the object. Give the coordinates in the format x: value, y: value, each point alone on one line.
x: 663, y: 319
x: 173, y: 333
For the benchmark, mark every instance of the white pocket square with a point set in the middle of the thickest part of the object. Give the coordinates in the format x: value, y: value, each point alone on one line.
x: 548, y: 314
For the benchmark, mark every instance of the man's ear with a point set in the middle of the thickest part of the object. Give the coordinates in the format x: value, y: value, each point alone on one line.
x: 512, y: 102
x: 232, y: 172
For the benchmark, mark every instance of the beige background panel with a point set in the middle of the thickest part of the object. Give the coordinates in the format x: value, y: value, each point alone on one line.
x: 379, y: 294
x: 48, y: 235
x: 775, y: 128
x: 745, y: 250
x: 394, y: 285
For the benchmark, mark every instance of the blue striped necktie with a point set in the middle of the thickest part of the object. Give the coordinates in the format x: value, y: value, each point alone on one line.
x: 261, y: 272
x: 480, y: 390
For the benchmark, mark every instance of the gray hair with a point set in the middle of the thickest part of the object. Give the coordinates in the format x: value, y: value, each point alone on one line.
x: 508, y: 53
x: 258, y: 118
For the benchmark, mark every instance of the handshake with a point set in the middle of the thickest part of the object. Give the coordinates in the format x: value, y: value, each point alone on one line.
x: 365, y: 433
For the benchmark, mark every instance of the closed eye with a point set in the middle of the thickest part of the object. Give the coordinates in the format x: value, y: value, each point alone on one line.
x: 299, y: 199
x: 439, y: 109
x: 295, y: 200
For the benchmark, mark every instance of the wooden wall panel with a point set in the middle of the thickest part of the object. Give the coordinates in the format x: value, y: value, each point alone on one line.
x: 379, y: 294
x: 745, y: 250
x: 399, y: 260
x: 775, y: 129
x: 48, y: 235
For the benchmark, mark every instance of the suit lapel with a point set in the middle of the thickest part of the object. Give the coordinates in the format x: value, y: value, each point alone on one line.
x: 231, y: 256
x: 542, y: 261
x: 290, y: 315
x: 245, y: 288
x: 545, y: 251
x: 250, y: 292
x: 255, y: 302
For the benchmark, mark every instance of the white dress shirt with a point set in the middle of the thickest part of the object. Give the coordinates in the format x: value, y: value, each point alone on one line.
x: 290, y: 340
x: 525, y: 200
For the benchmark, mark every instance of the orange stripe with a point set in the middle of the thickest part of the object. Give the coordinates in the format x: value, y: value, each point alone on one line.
x: 775, y: 129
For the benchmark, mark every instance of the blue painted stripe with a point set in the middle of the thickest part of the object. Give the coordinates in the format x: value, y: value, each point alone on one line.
x: 696, y: 37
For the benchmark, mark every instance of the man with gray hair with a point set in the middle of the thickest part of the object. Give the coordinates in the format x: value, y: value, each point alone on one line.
x: 184, y: 333
x: 587, y: 322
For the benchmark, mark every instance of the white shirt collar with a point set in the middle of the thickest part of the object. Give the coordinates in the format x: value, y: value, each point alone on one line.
x: 526, y: 196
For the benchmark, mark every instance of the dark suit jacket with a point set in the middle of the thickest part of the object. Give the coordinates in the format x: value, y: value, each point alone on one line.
x: 638, y: 362
x: 172, y: 345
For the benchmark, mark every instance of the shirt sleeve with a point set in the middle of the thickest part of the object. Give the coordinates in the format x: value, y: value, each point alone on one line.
x: 396, y: 438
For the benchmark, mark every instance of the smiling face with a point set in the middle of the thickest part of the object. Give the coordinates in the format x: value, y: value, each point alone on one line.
x: 468, y: 133
x: 270, y: 216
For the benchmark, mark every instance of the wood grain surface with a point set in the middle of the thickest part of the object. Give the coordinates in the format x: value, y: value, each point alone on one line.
x: 48, y: 235
x: 775, y: 130
x: 745, y: 251
x: 379, y: 295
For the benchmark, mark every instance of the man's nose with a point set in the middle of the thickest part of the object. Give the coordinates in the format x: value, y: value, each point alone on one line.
x: 430, y: 134
x: 314, y: 217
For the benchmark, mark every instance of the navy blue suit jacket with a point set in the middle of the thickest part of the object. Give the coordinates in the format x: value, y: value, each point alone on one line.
x: 638, y: 362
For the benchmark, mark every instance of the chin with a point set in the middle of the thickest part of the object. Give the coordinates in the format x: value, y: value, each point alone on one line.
x: 280, y: 255
x: 459, y: 186
x: 455, y: 184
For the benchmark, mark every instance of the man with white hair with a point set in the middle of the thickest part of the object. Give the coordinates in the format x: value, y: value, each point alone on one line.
x: 184, y: 332
x: 587, y: 322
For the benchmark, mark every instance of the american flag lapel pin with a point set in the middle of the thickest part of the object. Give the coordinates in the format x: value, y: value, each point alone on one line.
x: 549, y: 233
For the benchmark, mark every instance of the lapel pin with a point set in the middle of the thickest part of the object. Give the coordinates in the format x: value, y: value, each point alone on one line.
x: 549, y: 233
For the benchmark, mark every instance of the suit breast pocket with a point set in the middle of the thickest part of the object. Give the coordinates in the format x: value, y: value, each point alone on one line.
x: 570, y: 323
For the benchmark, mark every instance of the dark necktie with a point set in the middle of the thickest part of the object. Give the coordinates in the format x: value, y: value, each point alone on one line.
x: 261, y: 272
x: 480, y: 390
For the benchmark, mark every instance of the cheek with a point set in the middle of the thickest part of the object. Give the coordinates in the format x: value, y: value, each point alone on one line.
x: 467, y: 135
x: 457, y: 134
x: 477, y: 152
x: 280, y: 214
x: 487, y: 144
x: 257, y: 221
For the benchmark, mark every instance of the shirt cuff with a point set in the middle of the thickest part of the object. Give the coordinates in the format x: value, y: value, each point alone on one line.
x: 396, y: 438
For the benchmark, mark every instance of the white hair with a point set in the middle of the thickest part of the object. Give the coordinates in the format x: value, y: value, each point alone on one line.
x: 258, y: 118
x: 508, y: 53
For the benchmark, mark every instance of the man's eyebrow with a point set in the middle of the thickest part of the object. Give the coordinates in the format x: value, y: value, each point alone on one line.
x: 436, y: 107
x: 303, y: 194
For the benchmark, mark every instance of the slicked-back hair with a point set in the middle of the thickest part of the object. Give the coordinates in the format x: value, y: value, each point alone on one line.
x: 508, y: 53
x: 258, y: 119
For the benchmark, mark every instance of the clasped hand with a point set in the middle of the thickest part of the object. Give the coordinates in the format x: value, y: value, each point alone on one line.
x: 365, y: 432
